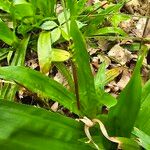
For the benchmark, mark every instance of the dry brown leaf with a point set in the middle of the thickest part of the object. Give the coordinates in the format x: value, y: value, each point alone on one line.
x: 124, y: 79
x: 120, y: 55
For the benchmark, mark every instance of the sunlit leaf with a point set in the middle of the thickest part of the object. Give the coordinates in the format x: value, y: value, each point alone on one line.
x: 55, y: 35
x: 48, y: 25
x: 61, y: 17
x: 112, y: 74
x: 60, y: 55
x: 44, y: 51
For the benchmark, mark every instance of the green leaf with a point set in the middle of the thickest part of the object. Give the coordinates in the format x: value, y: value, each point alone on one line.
x: 5, y: 5
x: 109, y: 30
x: 55, y: 35
x: 143, y: 119
x: 59, y: 55
x: 116, y: 19
x: 143, y: 138
x: 87, y: 93
x: 25, y: 127
x: 146, y: 91
x: 40, y: 84
x: 22, y: 10
x: 71, y: 5
x: 46, y: 7
x: 44, y: 51
x: 123, y: 115
x: 105, y: 98
x: 112, y: 74
x: 127, y: 144
x: 80, y: 6
x: 6, y: 34
x: 48, y: 25
x: 4, y: 52
x: 99, y: 79
x: 8, y: 91
x: 103, y: 77
x: 95, y: 22
x: 61, y: 17
x: 20, y: 53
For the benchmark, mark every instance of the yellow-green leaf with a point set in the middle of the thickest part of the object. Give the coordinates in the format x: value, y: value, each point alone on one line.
x: 44, y: 52
x: 60, y: 55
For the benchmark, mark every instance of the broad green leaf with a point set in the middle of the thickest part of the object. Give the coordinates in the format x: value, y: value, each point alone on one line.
x: 59, y: 55
x: 5, y: 5
x: 6, y: 34
x: 48, y: 25
x: 55, y: 35
x: 123, y: 115
x: 109, y: 30
x: 40, y: 84
x: 44, y: 51
x: 143, y: 138
x: 87, y: 93
x: 26, y: 128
